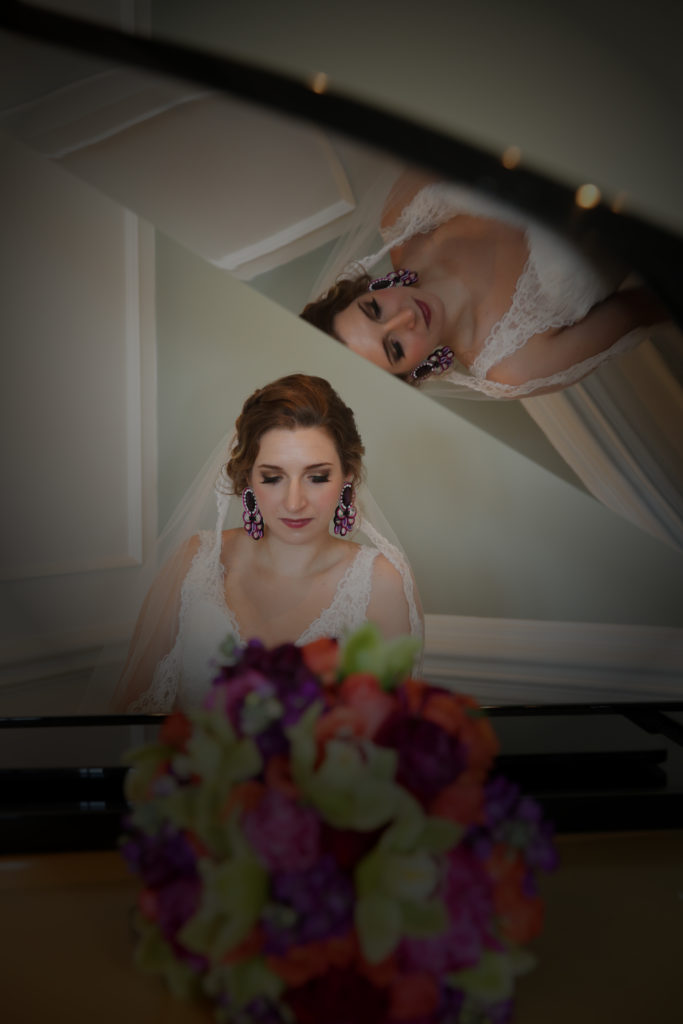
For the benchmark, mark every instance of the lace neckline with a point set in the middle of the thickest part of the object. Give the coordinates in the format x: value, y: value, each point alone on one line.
x: 313, y: 629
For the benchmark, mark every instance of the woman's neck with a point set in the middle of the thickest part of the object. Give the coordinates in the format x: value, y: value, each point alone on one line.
x: 295, y: 560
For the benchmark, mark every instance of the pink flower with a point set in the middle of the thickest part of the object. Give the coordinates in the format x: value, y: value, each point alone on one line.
x: 228, y: 697
x: 284, y: 835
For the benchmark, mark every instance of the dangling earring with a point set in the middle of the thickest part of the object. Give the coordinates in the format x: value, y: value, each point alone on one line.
x: 345, y: 512
x: 438, y: 362
x: 251, y: 517
x: 394, y: 279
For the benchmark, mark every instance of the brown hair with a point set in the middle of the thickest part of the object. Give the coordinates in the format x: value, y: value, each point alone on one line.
x: 321, y: 312
x: 294, y: 401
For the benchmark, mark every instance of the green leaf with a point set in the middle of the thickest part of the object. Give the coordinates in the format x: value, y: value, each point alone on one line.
x: 233, y: 895
x: 409, y: 876
x: 491, y: 979
x: 390, y: 661
x: 154, y: 955
x: 423, y: 920
x: 230, y: 650
x: 440, y: 834
x: 378, y: 923
x: 252, y: 979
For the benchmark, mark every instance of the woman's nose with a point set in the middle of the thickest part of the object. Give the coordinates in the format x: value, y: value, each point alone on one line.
x: 402, y: 318
x: 294, y: 498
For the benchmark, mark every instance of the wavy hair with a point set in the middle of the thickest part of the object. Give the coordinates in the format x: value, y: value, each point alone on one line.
x: 297, y: 400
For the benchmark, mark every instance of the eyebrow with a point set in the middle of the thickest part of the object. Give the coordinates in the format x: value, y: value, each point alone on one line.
x: 307, y: 469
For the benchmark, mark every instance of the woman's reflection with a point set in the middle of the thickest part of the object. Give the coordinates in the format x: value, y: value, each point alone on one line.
x: 521, y: 309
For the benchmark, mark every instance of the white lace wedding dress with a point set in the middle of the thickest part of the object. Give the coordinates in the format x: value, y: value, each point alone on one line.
x: 183, y: 676
x: 557, y: 287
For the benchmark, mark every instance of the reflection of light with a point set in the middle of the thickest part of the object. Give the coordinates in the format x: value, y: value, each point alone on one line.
x: 318, y: 82
x: 511, y: 157
x: 587, y: 196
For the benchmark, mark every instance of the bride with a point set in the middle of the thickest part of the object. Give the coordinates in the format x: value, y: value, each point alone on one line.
x: 284, y: 577
x: 520, y: 309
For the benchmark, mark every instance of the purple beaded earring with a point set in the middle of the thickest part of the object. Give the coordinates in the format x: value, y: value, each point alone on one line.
x: 251, y: 517
x: 345, y: 512
x: 394, y: 279
x: 438, y: 362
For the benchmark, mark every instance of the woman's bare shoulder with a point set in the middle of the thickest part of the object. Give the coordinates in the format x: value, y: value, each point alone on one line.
x: 388, y: 606
x: 385, y: 574
x: 232, y: 543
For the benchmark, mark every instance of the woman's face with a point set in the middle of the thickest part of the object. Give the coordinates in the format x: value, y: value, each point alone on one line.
x: 394, y: 328
x: 297, y: 479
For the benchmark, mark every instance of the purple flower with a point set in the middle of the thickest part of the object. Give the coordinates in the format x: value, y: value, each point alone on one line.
x: 177, y: 902
x: 278, y: 675
x: 516, y: 820
x: 468, y: 897
x: 160, y: 858
x: 429, y: 758
x: 306, y: 906
x: 285, y: 835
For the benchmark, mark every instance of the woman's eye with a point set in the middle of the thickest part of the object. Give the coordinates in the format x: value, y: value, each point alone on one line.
x: 270, y: 479
x: 321, y: 479
x: 374, y: 305
x: 397, y: 349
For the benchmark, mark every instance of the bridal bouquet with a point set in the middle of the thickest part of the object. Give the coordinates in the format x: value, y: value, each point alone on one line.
x: 324, y: 842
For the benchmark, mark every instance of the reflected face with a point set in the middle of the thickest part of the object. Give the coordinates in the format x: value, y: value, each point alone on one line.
x: 297, y: 479
x: 395, y: 328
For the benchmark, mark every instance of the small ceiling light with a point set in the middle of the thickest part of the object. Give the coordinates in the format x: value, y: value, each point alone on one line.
x: 587, y: 196
x: 511, y: 157
x: 318, y: 82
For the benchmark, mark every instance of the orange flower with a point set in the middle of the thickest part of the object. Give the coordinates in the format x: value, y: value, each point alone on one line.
x: 279, y: 776
x: 381, y: 974
x: 147, y: 904
x: 301, y: 963
x: 176, y: 730
x: 247, y: 948
x: 322, y: 658
x: 361, y: 692
x: 521, y: 916
x: 338, y: 722
x: 479, y: 739
x: 462, y: 801
x: 413, y: 995
x: 362, y: 708
x: 198, y: 845
x: 445, y: 710
x: 414, y: 691
x: 245, y: 795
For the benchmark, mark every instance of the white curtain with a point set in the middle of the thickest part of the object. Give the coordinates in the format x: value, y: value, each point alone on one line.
x: 620, y: 430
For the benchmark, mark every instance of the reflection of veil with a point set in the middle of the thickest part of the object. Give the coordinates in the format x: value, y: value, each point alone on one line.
x: 209, y: 504
x: 618, y: 428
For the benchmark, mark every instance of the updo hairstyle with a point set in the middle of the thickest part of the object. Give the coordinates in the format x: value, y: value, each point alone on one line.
x: 294, y: 401
x: 321, y: 312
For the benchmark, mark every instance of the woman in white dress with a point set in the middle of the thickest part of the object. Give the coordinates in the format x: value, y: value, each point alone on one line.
x: 497, y: 304
x: 287, y: 576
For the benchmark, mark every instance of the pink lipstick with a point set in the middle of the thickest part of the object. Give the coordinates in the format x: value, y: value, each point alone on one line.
x: 296, y: 524
x: 425, y: 310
